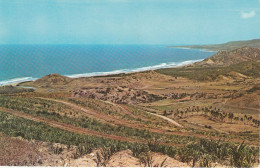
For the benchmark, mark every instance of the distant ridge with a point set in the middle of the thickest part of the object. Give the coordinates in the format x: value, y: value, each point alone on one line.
x: 255, y: 43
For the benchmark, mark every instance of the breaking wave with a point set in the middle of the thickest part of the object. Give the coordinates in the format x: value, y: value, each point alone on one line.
x: 162, y: 65
x: 16, y: 80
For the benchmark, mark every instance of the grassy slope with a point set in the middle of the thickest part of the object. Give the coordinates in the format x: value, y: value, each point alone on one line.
x: 248, y: 68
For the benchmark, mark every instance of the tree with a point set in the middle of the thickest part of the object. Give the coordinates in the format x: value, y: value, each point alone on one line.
x: 165, y: 113
x: 236, y: 118
x: 250, y: 118
x: 245, y: 117
x: 231, y: 116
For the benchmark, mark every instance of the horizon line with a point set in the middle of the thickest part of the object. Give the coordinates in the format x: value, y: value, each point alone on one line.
x: 171, y: 44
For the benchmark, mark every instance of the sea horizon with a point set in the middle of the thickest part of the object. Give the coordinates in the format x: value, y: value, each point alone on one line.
x: 20, y: 63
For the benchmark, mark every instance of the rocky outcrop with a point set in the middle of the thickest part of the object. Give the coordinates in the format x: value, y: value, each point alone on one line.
x: 122, y: 95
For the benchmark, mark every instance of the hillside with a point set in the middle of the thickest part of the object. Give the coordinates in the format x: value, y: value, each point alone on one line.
x: 225, y: 46
x: 226, y: 58
x: 233, y: 65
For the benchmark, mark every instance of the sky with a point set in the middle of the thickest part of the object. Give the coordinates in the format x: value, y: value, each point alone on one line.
x: 171, y: 22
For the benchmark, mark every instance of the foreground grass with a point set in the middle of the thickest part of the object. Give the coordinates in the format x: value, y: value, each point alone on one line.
x: 53, y: 111
x: 27, y: 129
x: 203, y: 152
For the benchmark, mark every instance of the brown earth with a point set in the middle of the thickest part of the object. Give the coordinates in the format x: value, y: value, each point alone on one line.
x: 18, y: 152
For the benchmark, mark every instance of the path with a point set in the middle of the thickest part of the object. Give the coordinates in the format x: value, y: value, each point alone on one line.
x: 78, y: 130
x: 163, y: 117
x: 190, y: 134
x: 113, y: 119
x: 97, y: 115
x: 168, y: 119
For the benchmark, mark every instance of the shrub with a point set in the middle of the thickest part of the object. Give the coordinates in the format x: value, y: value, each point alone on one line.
x: 82, y: 150
x: 104, y: 156
x: 206, y: 161
x: 243, y: 156
x: 146, y: 159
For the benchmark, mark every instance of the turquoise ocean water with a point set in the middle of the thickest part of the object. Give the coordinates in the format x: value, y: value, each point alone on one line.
x: 28, y: 62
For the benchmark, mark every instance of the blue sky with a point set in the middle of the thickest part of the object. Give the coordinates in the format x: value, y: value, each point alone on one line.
x: 170, y: 22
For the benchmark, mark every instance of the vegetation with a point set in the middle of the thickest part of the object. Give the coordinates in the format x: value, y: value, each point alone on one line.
x: 146, y: 159
x: 216, y: 115
x: 248, y: 68
x: 204, y: 151
x: 18, y: 152
x: 243, y: 156
x: 54, y: 110
x: 9, y: 89
x: 103, y: 156
x: 140, y: 116
x: 82, y: 149
x: 208, y: 152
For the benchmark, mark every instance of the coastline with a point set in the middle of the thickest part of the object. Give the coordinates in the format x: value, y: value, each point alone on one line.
x: 134, y: 70
x: 18, y: 81
x: 190, y: 48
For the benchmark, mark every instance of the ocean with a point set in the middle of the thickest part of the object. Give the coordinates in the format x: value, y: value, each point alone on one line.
x: 20, y: 63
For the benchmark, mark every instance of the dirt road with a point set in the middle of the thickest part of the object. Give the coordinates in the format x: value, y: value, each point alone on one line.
x: 112, y: 119
x: 156, y: 130
x: 78, y: 130
x: 168, y: 119
x: 103, y: 117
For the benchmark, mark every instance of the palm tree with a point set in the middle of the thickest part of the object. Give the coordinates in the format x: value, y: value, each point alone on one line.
x: 250, y: 118
x: 164, y: 113
x: 245, y: 117
x: 230, y: 116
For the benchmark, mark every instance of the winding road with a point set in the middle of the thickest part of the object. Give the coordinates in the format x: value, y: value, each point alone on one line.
x: 168, y: 119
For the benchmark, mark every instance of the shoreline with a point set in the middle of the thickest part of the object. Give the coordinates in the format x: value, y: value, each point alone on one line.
x: 134, y: 70
x: 18, y: 81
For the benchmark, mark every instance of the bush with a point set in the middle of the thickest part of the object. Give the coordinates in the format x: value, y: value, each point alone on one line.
x: 105, y: 154
x: 81, y: 150
x: 243, y: 156
x: 146, y: 158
